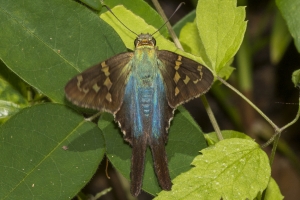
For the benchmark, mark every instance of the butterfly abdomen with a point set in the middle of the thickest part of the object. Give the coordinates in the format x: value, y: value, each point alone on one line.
x: 145, y: 101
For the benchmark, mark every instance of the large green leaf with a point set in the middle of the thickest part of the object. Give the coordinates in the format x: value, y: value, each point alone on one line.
x: 290, y: 10
x: 185, y: 140
x: 47, y: 152
x: 48, y: 42
x: 232, y: 169
x: 221, y: 29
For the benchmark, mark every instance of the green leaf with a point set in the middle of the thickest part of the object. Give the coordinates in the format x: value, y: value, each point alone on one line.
x: 221, y: 27
x: 290, y: 10
x: 47, y: 43
x: 280, y: 39
x: 296, y: 78
x: 272, y: 192
x: 191, y: 42
x: 189, y: 38
x: 138, y: 25
x: 212, y: 138
x: 47, y: 152
x: 232, y: 169
x: 181, y: 150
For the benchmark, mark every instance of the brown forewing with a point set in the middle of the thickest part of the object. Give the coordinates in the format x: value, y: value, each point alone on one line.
x: 101, y: 87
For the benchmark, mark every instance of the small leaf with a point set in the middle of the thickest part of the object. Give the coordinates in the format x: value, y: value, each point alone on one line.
x: 290, y: 10
x: 221, y: 27
x: 296, y: 78
x: 181, y: 150
x: 47, y: 152
x: 232, y: 169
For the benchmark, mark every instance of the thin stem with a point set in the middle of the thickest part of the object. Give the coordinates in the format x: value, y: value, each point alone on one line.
x: 278, y: 130
x: 212, y: 117
x: 169, y: 27
x: 294, y: 120
x: 275, y: 144
x: 283, y: 128
x: 250, y: 103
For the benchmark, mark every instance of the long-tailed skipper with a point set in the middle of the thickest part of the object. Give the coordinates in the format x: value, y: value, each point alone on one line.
x: 142, y: 89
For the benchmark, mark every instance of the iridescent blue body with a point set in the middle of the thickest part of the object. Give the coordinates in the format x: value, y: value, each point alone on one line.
x: 145, y: 94
x: 145, y: 102
x: 142, y: 89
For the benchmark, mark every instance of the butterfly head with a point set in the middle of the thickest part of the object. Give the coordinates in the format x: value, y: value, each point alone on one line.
x: 144, y: 40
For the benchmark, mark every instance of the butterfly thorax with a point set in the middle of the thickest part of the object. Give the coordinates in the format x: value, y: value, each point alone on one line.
x: 144, y: 62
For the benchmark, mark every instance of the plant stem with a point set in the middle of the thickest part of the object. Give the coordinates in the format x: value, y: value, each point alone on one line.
x: 169, y: 27
x: 275, y: 144
x: 278, y: 130
x: 284, y: 127
x: 212, y: 117
x: 250, y: 103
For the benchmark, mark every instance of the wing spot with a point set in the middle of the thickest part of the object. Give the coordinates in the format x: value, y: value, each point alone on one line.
x: 96, y: 87
x: 176, y: 91
x: 186, y: 80
x: 79, y: 80
x: 176, y: 77
x: 85, y: 90
x: 177, y: 65
x: 107, y: 83
x: 108, y: 97
x: 179, y: 57
x: 200, y: 72
x: 105, y: 69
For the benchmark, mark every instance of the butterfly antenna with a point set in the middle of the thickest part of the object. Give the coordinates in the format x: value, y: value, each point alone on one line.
x: 169, y: 17
x: 118, y: 19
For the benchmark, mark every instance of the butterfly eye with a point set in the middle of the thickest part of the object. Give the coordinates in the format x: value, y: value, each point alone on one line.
x: 153, y: 41
x: 136, y: 42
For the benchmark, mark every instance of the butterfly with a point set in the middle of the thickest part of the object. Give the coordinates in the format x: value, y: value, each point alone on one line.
x: 142, y: 89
